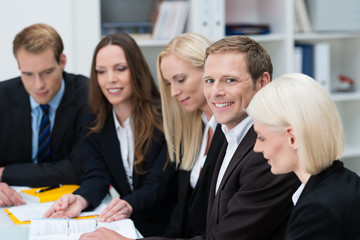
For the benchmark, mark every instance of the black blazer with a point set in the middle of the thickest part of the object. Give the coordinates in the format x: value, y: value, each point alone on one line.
x: 328, y: 207
x: 189, y: 216
x: 16, y: 135
x: 251, y: 202
x: 152, y: 199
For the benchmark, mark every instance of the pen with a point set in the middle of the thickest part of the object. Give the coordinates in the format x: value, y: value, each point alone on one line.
x: 96, y: 222
x: 47, y: 189
x: 68, y: 225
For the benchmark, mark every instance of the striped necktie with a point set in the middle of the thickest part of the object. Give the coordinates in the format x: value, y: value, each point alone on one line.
x: 43, y: 154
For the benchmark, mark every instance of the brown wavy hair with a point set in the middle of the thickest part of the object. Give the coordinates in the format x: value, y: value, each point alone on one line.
x: 146, y: 113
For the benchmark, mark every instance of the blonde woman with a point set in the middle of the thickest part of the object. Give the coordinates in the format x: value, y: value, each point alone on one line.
x: 189, y: 128
x: 299, y: 130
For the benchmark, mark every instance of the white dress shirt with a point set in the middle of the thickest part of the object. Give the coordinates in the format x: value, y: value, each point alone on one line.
x: 296, y: 195
x: 200, y: 161
x: 234, y: 138
x: 126, y: 139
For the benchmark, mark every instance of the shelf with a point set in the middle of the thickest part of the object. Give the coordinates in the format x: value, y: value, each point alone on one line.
x: 151, y: 43
x: 268, y: 37
x: 342, y: 97
x: 259, y: 38
x: 351, y: 152
x: 325, y: 36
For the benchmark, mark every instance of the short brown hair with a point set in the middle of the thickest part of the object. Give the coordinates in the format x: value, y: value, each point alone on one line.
x: 37, y: 38
x: 258, y: 60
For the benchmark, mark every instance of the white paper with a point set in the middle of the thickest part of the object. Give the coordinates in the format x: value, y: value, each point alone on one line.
x: 31, y: 211
x: 51, y: 229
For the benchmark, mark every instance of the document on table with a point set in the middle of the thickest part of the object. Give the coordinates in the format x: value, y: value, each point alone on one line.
x: 54, y: 229
x: 31, y: 211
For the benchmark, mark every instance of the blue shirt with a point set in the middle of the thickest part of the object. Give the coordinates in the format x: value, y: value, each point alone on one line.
x: 36, y: 115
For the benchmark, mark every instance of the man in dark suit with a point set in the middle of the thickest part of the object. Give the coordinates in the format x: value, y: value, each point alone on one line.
x: 41, y: 118
x: 246, y: 200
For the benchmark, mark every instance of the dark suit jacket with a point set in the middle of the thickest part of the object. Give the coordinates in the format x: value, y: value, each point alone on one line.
x: 152, y: 199
x: 16, y: 135
x: 328, y: 207
x: 251, y: 202
x: 189, y: 216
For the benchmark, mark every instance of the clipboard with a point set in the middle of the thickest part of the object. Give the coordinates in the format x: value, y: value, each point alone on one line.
x: 18, y: 222
x: 53, y: 194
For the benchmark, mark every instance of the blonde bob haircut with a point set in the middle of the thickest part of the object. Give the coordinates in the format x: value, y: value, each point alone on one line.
x: 183, y: 130
x: 298, y: 101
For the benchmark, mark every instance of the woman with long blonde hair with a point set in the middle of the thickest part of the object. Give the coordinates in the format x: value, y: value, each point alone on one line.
x: 189, y: 128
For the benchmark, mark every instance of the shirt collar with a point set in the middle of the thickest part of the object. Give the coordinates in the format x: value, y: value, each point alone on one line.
x: 117, y: 124
x: 55, y: 101
x: 212, y: 122
x: 236, y: 135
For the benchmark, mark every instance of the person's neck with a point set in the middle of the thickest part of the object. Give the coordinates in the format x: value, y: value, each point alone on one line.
x: 303, y: 176
x: 122, y: 113
x: 236, y: 122
x: 207, y: 111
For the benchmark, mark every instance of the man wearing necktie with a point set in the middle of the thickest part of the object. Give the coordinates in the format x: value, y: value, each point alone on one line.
x: 42, y: 114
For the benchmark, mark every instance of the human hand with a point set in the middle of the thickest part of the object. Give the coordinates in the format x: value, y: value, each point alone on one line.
x: 9, y: 196
x: 117, y: 209
x: 103, y: 234
x: 69, y: 205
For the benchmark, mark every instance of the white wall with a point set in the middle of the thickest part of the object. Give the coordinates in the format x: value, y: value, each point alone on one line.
x: 77, y: 21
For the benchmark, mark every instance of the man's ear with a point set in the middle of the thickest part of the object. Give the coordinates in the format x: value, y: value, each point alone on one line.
x: 263, y: 81
x: 62, y: 61
x: 291, y: 137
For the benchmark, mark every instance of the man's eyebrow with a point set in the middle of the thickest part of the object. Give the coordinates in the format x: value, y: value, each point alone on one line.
x: 49, y: 69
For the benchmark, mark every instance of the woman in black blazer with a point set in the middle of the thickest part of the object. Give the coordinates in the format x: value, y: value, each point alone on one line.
x: 124, y: 144
x: 299, y: 129
x: 189, y: 128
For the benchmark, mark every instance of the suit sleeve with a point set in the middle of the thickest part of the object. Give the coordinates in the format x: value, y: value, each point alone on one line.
x: 65, y: 171
x: 255, y: 204
x: 306, y: 225
x: 155, y: 188
x: 96, y: 178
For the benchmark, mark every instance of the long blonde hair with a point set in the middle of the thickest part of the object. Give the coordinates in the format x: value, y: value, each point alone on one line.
x: 183, y: 130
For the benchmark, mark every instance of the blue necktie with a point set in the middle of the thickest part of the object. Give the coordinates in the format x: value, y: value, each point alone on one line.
x: 43, y: 154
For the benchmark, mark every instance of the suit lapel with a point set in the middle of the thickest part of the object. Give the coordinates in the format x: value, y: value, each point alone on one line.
x: 63, y: 112
x: 22, y: 102
x: 245, y: 146
x: 112, y: 154
x: 214, y: 149
x: 215, y: 175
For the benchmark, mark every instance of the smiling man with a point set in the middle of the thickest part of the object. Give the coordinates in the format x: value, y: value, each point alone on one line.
x: 246, y: 200
x: 42, y: 114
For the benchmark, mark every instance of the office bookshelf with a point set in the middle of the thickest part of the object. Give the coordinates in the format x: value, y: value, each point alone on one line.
x: 280, y: 15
